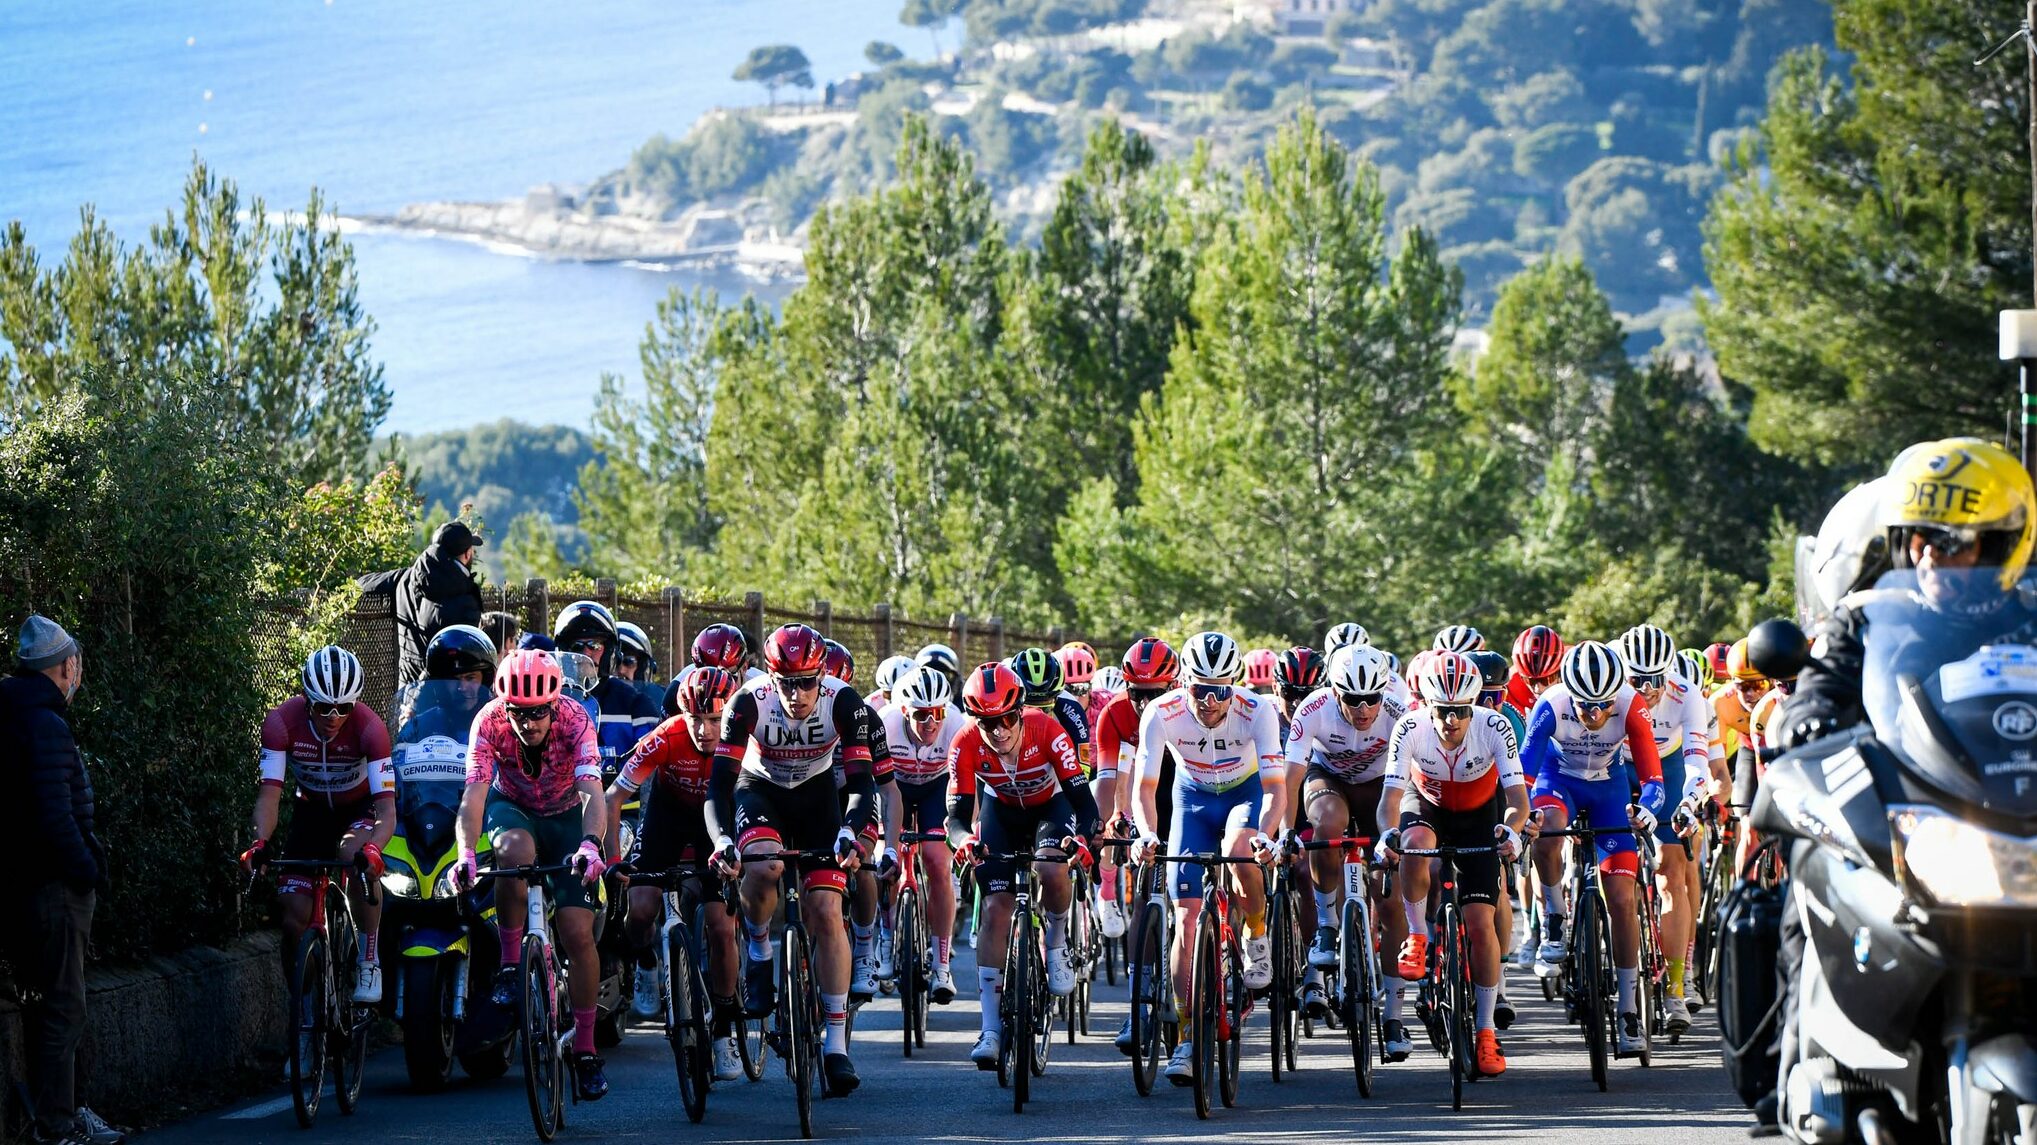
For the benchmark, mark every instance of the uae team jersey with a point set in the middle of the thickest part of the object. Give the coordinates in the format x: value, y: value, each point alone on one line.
x: 758, y: 733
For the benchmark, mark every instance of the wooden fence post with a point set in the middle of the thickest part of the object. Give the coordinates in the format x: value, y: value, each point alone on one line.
x: 1054, y: 639
x: 824, y: 615
x: 886, y: 644
x: 754, y: 601
x: 604, y: 591
x: 537, y: 606
x: 675, y: 628
x: 997, y: 638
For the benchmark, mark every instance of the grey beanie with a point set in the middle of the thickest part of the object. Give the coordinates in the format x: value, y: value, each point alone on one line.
x: 43, y: 643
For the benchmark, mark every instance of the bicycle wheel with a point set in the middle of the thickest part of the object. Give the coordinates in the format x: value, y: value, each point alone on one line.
x: 311, y: 1006
x: 543, y: 1072
x: 349, y: 1021
x: 1591, y: 1000
x: 1078, y: 953
x: 1147, y: 972
x: 1017, y: 1008
x: 1205, y: 999
x: 1231, y: 1048
x: 1449, y: 1004
x: 1286, y: 987
x: 686, y: 1021
x: 1360, y: 1004
x: 797, y: 1010
x: 909, y: 954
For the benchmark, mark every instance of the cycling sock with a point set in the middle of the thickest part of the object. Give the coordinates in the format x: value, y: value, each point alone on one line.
x: 1108, y: 887
x: 836, y: 1040
x: 583, y: 1029
x: 1255, y: 924
x: 1676, y: 977
x: 1057, y: 929
x: 371, y: 942
x: 758, y: 937
x: 1326, y: 908
x: 944, y: 949
x: 1552, y: 902
x: 1487, y: 997
x: 991, y: 985
x: 1417, y: 915
x: 1393, y: 998
x: 866, y: 939
x: 723, y: 1008
x: 1630, y: 981
x: 512, y: 943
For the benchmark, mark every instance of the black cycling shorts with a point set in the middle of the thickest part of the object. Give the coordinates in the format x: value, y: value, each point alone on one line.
x: 924, y: 805
x: 672, y: 830
x: 1002, y: 827
x: 1478, y: 874
x: 1360, y: 799
x: 806, y: 817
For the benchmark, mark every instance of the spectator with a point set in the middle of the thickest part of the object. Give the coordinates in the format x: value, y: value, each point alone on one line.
x: 502, y: 628
x: 437, y: 589
x: 56, y: 869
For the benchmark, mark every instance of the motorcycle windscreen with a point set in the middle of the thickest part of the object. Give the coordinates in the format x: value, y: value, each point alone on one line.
x: 433, y: 721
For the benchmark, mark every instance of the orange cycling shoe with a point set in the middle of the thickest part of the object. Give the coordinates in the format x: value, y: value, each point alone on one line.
x: 1491, y: 1062
x: 1414, y: 957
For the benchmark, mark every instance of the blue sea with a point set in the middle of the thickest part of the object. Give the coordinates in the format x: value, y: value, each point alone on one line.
x: 380, y: 103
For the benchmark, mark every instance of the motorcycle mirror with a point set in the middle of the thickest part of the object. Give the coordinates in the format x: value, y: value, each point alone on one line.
x: 1778, y: 649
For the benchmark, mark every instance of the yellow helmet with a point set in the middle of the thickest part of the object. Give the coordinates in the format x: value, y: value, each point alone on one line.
x: 1738, y: 670
x: 1970, y: 488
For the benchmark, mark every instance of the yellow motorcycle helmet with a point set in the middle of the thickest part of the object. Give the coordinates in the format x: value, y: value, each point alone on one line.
x: 1972, y: 489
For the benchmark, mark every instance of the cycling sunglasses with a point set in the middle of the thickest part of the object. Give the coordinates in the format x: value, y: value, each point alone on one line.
x: 332, y: 711
x: 927, y: 715
x: 796, y: 683
x: 1646, y: 680
x: 999, y: 723
x: 586, y: 647
x: 1362, y: 699
x: 1452, y: 711
x: 628, y: 659
x: 1142, y: 696
x: 1946, y: 542
x: 1538, y: 683
x: 1210, y: 692
x: 1294, y: 695
x: 1595, y: 706
x: 531, y: 715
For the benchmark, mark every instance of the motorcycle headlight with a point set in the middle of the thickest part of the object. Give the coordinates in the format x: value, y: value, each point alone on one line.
x: 1960, y: 864
x: 402, y: 884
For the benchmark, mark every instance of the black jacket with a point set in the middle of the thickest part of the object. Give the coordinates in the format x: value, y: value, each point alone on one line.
x: 435, y: 591
x: 47, y: 834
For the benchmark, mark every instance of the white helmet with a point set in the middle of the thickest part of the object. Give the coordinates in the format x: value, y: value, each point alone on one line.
x: 1592, y: 673
x: 1459, y: 638
x: 332, y: 675
x: 1648, y: 650
x: 1359, y: 671
x: 1848, y: 554
x: 924, y: 688
x: 1344, y: 635
x: 1109, y: 678
x: 1449, y: 678
x: 939, y: 657
x: 1211, y: 656
x: 889, y: 672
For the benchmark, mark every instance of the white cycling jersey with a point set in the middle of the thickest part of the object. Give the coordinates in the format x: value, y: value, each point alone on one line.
x: 1463, y: 778
x: 1682, y: 718
x: 1318, y: 733
x: 912, y: 761
x: 1246, y: 742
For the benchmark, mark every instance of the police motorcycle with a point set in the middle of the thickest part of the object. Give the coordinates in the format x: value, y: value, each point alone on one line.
x: 445, y: 943
x: 1911, y: 844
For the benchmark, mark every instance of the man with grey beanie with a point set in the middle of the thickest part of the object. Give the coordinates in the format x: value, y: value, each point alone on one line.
x: 57, y: 868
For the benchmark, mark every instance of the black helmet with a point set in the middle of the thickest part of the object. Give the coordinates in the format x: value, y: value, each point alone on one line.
x: 457, y: 650
x: 1493, y: 667
x: 1778, y: 649
x: 1039, y: 672
x: 584, y: 620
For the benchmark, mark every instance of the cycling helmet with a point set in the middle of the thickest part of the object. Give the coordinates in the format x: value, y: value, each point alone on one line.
x: 332, y: 675
x: 891, y: 671
x: 1691, y: 663
x: 1300, y: 668
x: 1778, y: 643
x: 635, y: 641
x: 1538, y: 652
x: 1450, y: 678
x: 1647, y: 650
x: 1109, y: 678
x: 1593, y: 673
x: 1078, y: 662
x: 584, y: 620
x: 1418, y: 665
x: 795, y: 650
x: 1343, y: 636
x: 992, y: 690
x: 1260, y: 668
x: 1211, y: 656
x: 1392, y: 662
x: 721, y: 646
x: 1715, y: 655
x: 703, y: 691
x: 1973, y: 490
x: 924, y: 688
x: 1039, y: 672
x: 1359, y: 670
x: 1492, y: 668
x: 457, y: 650
x: 940, y: 658
x: 1150, y: 663
x: 1458, y: 638
x: 529, y: 678
x: 839, y: 662
x: 1739, y: 669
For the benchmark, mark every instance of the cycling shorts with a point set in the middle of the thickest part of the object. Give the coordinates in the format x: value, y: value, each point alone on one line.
x: 1360, y: 799
x: 803, y: 818
x: 1477, y: 875
x: 672, y: 831
x: 316, y: 829
x: 556, y: 836
x: 1606, y: 801
x: 1007, y: 828
x: 1201, y: 820
x: 924, y: 806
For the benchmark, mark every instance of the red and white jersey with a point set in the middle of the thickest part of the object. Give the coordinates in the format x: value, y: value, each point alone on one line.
x: 772, y: 746
x: 1245, y: 742
x: 911, y: 760
x: 1044, y: 764
x: 351, y: 766
x: 1318, y: 729
x: 1116, y: 730
x: 1463, y: 778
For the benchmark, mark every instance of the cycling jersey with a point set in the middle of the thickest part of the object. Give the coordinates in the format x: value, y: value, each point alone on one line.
x: 627, y: 715
x: 758, y: 733
x: 911, y: 760
x: 1092, y: 708
x: 1518, y: 692
x: 1462, y: 778
x: 1116, y: 729
x: 1245, y: 742
x: 1732, y: 714
x: 1760, y: 721
x: 1073, y: 717
x: 350, y: 767
x: 1557, y: 736
x: 569, y: 754
x: 1321, y: 738
x: 669, y: 756
x: 1044, y: 764
x: 1682, y: 721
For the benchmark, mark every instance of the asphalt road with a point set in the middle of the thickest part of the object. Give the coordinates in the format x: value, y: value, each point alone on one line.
x: 1086, y: 1095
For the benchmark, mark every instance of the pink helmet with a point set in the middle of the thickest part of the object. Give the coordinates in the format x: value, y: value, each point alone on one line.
x: 1078, y: 662
x: 529, y: 678
x: 1260, y: 667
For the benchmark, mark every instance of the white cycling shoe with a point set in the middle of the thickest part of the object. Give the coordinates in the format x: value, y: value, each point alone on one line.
x: 1258, y: 963
x: 368, y: 986
x: 1181, y: 1067
x: 1110, y: 918
x: 1060, y: 975
x: 728, y: 1061
x: 644, y: 1002
x: 864, y: 981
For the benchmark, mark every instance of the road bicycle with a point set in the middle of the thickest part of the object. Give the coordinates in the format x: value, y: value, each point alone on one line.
x: 1355, y: 984
x: 1283, y: 927
x: 683, y: 969
x: 911, y: 943
x: 1155, y: 1026
x: 1085, y: 949
x: 1590, y: 990
x: 1218, y: 1002
x: 1446, y: 1003
x: 799, y: 1024
x: 328, y: 1028
x: 543, y: 1011
x: 1026, y: 1007
x: 1653, y: 980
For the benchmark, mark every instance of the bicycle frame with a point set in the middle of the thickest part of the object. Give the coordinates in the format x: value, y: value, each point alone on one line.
x: 1448, y: 982
x: 1218, y: 1035
x: 332, y: 1025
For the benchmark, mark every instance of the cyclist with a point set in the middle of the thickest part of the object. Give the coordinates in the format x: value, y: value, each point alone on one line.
x: 1079, y: 674
x: 889, y: 672
x: 1015, y: 785
x: 589, y: 629
x: 1226, y: 743
x: 1454, y: 777
x: 1338, y: 738
x: 1261, y: 670
x: 1341, y: 636
x: 783, y: 741
x: 338, y: 751
x: 1495, y: 673
x: 1537, y: 658
x: 1110, y: 683
x: 920, y: 725
x: 1150, y: 668
x: 1732, y: 705
x: 1715, y: 655
x: 1575, y: 737
x: 1458, y: 638
x: 670, y: 771
x: 1299, y: 672
x: 942, y: 659
x: 872, y: 951
x: 724, y: 646
x: 1040, y: 674
x: 534, y: 785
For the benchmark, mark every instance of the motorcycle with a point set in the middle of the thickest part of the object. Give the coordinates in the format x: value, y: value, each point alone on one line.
x: 1912, y: 855
x: 446, y: 945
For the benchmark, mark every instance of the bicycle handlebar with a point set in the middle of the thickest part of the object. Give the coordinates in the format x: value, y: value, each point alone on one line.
x: 527, y: 871
x: 1208, y: 859
x: 371, y: 889
x: 923, y: 836
x: 1439, y: 852
x: 1586, y: 832
x: 1356, y: 842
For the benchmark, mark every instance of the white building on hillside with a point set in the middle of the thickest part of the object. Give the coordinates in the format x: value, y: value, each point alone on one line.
x: 1293, y: 17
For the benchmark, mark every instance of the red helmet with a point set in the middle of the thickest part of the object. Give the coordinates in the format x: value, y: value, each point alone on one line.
x: 704, y: 690
x: 1538, y: 652
x: 529, y: 678
x: 795, y: 650
x: 1449, y: 678
x: 1716, y: 653
x: 720, y: 646
x: 1150, y: 663
x: 992, y: 690
x: 1260, y: 668
x: 1300, y: 668
x: 840, y: 662
x: 1078, y: 662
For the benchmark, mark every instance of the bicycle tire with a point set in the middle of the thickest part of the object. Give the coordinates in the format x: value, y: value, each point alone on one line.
x: 1231, y: 1049
x: 1147, y: 972
x: 542, y: 1068
x: 310, y: 1006
x: 350, y: 1020
x: 1448, y: 1002
x: 908, y: 954
x: 1204, y: 994
x: 1018, y: 1006
x: 1282, y: 997
x: 1590, y: 1001
x: 797, y: 1009
x: 685, y: 1022
x: 1078, y: 951
x: 1359, y: 994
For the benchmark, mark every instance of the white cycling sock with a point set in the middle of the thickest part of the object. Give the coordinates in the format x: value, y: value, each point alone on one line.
x: 1326, y: 908
x: 866, y: 939
x: 1057, y: 929
x: 1417, y: 915
x: 991, y: 985
x: 759, y: 940
x: 1486, y: 997
x: 1393, y: 998
x: 944, y: 949
x: 1630, y: 982
x: 836, y: 1041
x: 1552, y: 902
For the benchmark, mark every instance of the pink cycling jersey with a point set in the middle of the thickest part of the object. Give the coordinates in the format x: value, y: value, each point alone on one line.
x: 570, y: 754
